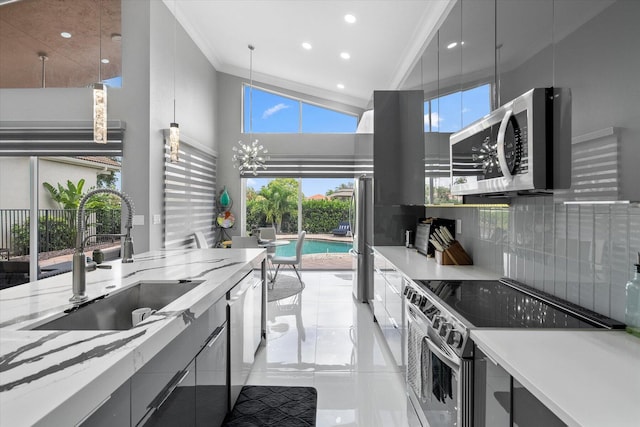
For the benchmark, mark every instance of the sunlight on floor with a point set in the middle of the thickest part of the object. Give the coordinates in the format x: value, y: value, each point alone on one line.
x: 321, y: 337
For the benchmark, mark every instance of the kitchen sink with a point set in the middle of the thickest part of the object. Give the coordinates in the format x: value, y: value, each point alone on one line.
x: 113, y: 311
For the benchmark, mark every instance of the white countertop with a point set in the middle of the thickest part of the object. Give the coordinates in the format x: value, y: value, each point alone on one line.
x: 57, y: 377
x: 414, y: 265
x: 587, y: 378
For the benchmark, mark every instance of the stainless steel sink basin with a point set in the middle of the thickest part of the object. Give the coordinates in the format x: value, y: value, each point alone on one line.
x: 113, y: 311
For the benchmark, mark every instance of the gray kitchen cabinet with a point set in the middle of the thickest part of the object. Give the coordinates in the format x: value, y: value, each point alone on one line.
x: 153, y: 384
x: 112, y: 412
x: 398, y: 147
x: 500, y: 400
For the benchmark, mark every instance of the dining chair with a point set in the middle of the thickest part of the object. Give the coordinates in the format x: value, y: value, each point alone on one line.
x: 290, y: 260
x: 201, y: 241
x: 267, y: 233
x: 244, y: 242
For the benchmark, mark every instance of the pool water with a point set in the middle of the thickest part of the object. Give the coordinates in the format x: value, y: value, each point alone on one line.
x: 314, y: 247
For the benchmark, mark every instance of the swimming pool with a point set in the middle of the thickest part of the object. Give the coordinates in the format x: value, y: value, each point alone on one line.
x: 314, y: 247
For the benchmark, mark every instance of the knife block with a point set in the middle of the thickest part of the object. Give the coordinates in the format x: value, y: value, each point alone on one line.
x: 457, y: 254
x: 443, y: 258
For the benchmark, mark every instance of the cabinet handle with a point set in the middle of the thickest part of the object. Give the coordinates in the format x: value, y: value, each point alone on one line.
x: 215, y: 335
x: 173, y: 386
x: 86, y: 417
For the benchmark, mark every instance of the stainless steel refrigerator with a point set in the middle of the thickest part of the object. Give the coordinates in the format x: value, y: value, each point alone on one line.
x: 361, y: 222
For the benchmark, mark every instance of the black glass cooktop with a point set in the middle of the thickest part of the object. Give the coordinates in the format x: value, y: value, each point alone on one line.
x: 494, y: 304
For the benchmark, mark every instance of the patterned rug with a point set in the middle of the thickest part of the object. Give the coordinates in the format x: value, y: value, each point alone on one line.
x: 284, y: 287
x: 262, y: 406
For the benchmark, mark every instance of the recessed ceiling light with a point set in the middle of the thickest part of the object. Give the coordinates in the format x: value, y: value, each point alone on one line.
x: 345, y: 55
x: 104, y: 60
x: 350, y: 18
x: 65, y: 35
x: 307, y: 46
x: 452, y: 45
x: 340, y: 86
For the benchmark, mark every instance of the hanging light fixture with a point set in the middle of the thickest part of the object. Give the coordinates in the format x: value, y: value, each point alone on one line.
x: 250, y: 157
x: 100, y: 96
x: 174, y: 128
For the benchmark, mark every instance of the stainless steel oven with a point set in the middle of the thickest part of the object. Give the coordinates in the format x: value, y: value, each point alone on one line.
x: 440, y: 353
x: 434, y: 374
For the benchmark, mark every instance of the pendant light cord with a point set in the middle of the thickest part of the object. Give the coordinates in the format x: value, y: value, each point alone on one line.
x: 100, y: 43
x: 250, y: 92
x: 175, y: 26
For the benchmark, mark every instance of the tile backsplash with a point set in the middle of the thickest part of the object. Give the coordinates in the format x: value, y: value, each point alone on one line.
x: 581, y: 253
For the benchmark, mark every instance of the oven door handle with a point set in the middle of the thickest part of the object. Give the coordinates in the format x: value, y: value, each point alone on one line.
x: 445, y: 358
x: 452, y: 362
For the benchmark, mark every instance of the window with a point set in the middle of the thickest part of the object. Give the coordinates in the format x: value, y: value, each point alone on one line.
x: 273, y: 113
x: 447, y: 114
x: 452, y: 112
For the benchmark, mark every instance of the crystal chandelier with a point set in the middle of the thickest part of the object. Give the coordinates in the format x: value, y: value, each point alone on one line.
x: 250, y: 157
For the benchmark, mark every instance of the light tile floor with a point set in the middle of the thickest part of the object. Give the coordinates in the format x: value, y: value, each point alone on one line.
x: 323, y: 338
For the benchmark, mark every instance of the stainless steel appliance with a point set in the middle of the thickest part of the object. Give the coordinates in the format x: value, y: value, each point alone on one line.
x: 361, y: 222
x: 440, y: 353
x: 523, y: 146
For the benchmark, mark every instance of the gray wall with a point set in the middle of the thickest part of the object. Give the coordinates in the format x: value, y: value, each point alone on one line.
x: 145, y: 103
x: 581, y: 253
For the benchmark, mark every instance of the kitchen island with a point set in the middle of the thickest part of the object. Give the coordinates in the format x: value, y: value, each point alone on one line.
x: 50, y: 377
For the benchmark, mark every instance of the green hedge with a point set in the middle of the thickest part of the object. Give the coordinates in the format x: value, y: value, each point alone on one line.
x: 318, y: 216
x: 53, y: 234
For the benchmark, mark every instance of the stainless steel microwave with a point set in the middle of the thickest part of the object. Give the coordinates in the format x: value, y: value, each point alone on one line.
x: 522, y: 147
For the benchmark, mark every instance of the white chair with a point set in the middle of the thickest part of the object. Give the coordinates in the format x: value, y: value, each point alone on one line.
x: 290, y: 260
x: 244, y: 242
x: 201, y: 241
x: 267, y: 233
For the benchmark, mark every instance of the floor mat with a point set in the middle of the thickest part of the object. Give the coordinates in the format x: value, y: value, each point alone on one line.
x: 284, y: 287
x: 274, y: 406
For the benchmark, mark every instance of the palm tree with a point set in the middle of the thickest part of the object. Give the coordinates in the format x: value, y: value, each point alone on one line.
x: 278, y: 198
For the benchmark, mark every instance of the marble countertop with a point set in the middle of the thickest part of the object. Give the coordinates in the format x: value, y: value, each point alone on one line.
x: 587, y: 378
x: 414, y: 265
x: 58, y: 377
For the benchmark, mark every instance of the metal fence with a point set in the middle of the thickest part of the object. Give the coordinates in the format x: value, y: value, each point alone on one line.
x: 56, y: 229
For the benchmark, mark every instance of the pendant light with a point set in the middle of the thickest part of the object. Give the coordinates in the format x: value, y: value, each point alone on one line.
x: 100, y: 95
x: 174, y: 128
x: 250, y: 157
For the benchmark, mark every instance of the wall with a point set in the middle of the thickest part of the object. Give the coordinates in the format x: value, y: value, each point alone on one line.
x: 144, y: 103
x: 14, y: 171
x: 306, y: 145
x: 582, y: 253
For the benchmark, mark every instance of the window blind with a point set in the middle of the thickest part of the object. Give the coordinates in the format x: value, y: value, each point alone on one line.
x: 286, y: 166
x: 189, y: 195
x: 19, y: 139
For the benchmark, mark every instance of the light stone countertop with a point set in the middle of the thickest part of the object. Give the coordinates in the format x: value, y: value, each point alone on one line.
x: 587, y: 378
x: 58, y: 377
x: 414, y: 265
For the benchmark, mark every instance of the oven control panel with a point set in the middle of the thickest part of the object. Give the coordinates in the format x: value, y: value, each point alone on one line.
x: 452, y: 332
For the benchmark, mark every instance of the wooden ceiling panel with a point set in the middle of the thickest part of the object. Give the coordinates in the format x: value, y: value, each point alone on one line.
x: 28, y: 27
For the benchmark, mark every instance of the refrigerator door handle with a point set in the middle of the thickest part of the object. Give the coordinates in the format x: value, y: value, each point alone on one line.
x: 353, y: 253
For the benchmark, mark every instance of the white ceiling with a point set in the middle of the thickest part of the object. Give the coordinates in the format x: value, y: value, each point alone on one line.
x: 384, y: 43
